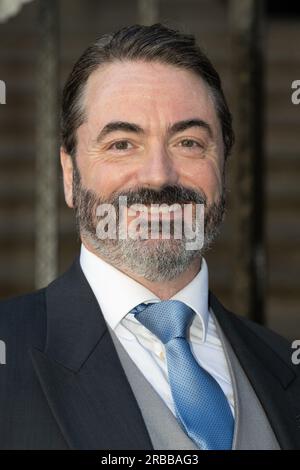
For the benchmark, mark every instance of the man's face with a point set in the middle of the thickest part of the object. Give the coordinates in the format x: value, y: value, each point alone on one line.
x: 156, y: 157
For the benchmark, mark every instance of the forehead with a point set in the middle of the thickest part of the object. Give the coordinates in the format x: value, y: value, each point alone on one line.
x: 144, y: 90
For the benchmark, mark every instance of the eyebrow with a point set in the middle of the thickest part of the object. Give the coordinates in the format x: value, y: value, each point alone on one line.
x: 179, y: 126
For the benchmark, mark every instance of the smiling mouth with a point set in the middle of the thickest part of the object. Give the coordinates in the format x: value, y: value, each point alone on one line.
x: 165, y: 213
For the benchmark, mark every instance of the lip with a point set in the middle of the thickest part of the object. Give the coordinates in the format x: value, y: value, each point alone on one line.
x: 156, y: 217
x: 166, y: 216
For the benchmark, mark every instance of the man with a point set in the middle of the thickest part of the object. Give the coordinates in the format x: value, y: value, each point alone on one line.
x: 129, y: 349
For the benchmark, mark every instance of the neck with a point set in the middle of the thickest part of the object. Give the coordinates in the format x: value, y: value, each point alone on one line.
x: 164, y: 290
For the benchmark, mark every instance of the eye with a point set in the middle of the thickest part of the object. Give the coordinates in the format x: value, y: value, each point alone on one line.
x: 190, y: 143
x: 120, y: 145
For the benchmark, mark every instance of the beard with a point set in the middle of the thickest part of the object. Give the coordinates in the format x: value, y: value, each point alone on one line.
x: 159, y: 260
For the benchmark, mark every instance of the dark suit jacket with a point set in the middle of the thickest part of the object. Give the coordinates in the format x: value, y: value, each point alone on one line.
x: 63, y: 385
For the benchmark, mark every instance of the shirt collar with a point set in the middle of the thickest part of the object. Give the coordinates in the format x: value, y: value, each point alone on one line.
x: 117, y: 293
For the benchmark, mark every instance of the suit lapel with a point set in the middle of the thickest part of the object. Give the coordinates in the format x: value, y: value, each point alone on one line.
x: 272, y: 378
x: 88, y: 391
x: 81, y: 374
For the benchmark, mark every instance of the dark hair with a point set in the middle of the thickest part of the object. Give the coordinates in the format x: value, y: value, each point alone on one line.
x: 155, y: 43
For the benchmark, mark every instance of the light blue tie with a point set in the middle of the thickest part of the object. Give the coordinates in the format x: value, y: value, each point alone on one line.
x: 200, y: 403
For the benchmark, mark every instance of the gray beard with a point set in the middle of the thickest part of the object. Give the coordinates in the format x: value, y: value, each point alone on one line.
x: 154, y: 260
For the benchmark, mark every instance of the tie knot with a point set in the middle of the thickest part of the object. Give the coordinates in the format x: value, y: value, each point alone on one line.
x: 167, y: 319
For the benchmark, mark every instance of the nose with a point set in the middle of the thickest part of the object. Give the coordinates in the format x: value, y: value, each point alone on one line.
x: 158, y: 169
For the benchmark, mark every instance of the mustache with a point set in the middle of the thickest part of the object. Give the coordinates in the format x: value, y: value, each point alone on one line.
x: 166, y: 195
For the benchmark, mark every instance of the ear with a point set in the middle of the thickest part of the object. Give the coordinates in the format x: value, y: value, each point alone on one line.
x: 67, y: 168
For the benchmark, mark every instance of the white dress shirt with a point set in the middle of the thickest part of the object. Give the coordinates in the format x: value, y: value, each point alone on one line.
x: 118, y: 293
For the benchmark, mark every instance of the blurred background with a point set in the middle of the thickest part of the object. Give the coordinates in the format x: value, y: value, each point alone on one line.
x: 254, y: 267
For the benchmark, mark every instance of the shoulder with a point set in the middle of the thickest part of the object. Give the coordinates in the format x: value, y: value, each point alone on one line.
x: 275, y: 344
x: 23, y: 319
x: 267, y: 345
x: 273, y: 339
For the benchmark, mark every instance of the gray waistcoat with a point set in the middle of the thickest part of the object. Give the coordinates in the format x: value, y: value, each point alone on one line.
x: 252, y: 429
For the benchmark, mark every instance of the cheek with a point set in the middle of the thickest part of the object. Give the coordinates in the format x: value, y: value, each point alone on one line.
x: 207, y: 176
x: 105, y: 178
x: 212, y: 169
x: 214, y: 182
